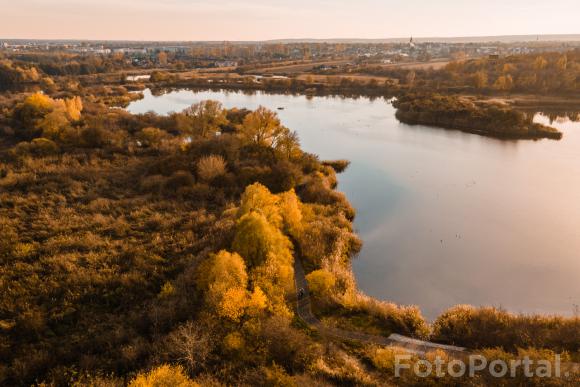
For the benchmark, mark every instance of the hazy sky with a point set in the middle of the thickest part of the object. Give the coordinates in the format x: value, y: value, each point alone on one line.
x: 271, y: 19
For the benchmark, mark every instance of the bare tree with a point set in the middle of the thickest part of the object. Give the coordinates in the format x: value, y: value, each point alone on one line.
x: 191, y: 345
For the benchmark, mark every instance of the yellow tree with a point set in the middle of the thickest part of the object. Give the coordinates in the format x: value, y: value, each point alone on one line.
x: 163, y: 376
x: 508, y: 68
x: 290, y: 208
x: 40, y: 114
x: 262, y: 127
x: 224, y: 268
x: 33, y: 109
x: 206, y: 117
x: 224, y: 279
x: 258, y: 198
x: 232, y: 303
x: 288, y: 145
x: 162, y: 58
x: 480, y: 79
x: 255, y: 238
x: 562, y: 63
x: 321, y: 282
x: 504, y: 83
x: 540, y: 63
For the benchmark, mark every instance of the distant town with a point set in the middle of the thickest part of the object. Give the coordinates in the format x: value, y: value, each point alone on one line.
x: 229, y: 55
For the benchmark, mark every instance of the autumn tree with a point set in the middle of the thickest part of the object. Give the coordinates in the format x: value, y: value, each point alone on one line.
x: 540, y: 63
x: 288, y: 146
x: 33, y: 109
x: 508, y: 68
x: 290, y: 208
x: 321, y: 282
x: 562, y: 63
x: 480, y: 79
x: 163, y: 376
x: 42, y: 115
x: 263, y: 127
x: 151, y: 137
x: 504, y: 83
x: 191, y: 345
x: 162, y: 58
x: 257, y: 198
x: 206, y: 117
x: 224, y: 278
x: 410, y: 78
x: 256, y: 238
x: 260, y: 239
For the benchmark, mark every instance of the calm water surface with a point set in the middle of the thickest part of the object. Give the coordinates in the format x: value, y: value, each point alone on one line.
x: 446, y: 217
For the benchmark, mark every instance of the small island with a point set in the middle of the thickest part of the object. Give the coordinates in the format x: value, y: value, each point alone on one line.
x: 487, y: 119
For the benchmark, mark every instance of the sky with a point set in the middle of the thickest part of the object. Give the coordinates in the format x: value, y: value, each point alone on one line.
x: 195, y: 20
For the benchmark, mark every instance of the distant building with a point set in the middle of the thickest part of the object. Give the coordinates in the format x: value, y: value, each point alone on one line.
x: 226, y: 63
x: 130, y: 51
x: 493, y: 58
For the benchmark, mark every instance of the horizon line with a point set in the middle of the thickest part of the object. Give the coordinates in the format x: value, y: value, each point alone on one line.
x: 478, y: 38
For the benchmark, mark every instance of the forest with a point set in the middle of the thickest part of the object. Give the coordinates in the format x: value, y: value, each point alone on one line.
x: 547, y: 73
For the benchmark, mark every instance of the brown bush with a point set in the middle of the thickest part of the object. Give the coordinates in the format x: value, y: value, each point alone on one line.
x: 210, y: 167
x: 491, y: 327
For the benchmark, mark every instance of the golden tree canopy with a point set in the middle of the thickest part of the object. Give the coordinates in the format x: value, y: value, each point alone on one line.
x: 163, y: 376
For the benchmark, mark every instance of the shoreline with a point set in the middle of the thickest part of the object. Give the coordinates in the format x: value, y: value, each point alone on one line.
x: 219, y: 88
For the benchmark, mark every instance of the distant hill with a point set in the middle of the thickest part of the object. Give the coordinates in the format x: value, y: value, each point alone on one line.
x: 465, y: 39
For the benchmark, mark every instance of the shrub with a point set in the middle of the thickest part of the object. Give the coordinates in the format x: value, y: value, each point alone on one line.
x: 160, y: 76
x: 151, y: 137
x: 210, y: 167
x: 491, y: 327
x: 179, y: 179
x: 38, y: 147
x: 339, y: 166
x: 384, y: 358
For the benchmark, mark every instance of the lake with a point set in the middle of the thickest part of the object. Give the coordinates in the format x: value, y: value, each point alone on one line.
x: 446, y: 217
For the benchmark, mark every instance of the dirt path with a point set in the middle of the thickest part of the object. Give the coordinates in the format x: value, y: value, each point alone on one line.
x: 304, y: 310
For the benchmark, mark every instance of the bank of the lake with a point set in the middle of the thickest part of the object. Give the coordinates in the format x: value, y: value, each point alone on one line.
x: 446, y: 217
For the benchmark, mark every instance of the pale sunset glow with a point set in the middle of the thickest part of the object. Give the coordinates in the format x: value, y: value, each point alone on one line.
x: 195, y: 20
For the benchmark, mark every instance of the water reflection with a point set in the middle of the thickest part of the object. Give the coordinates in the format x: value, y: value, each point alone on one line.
x: 446, y: 217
